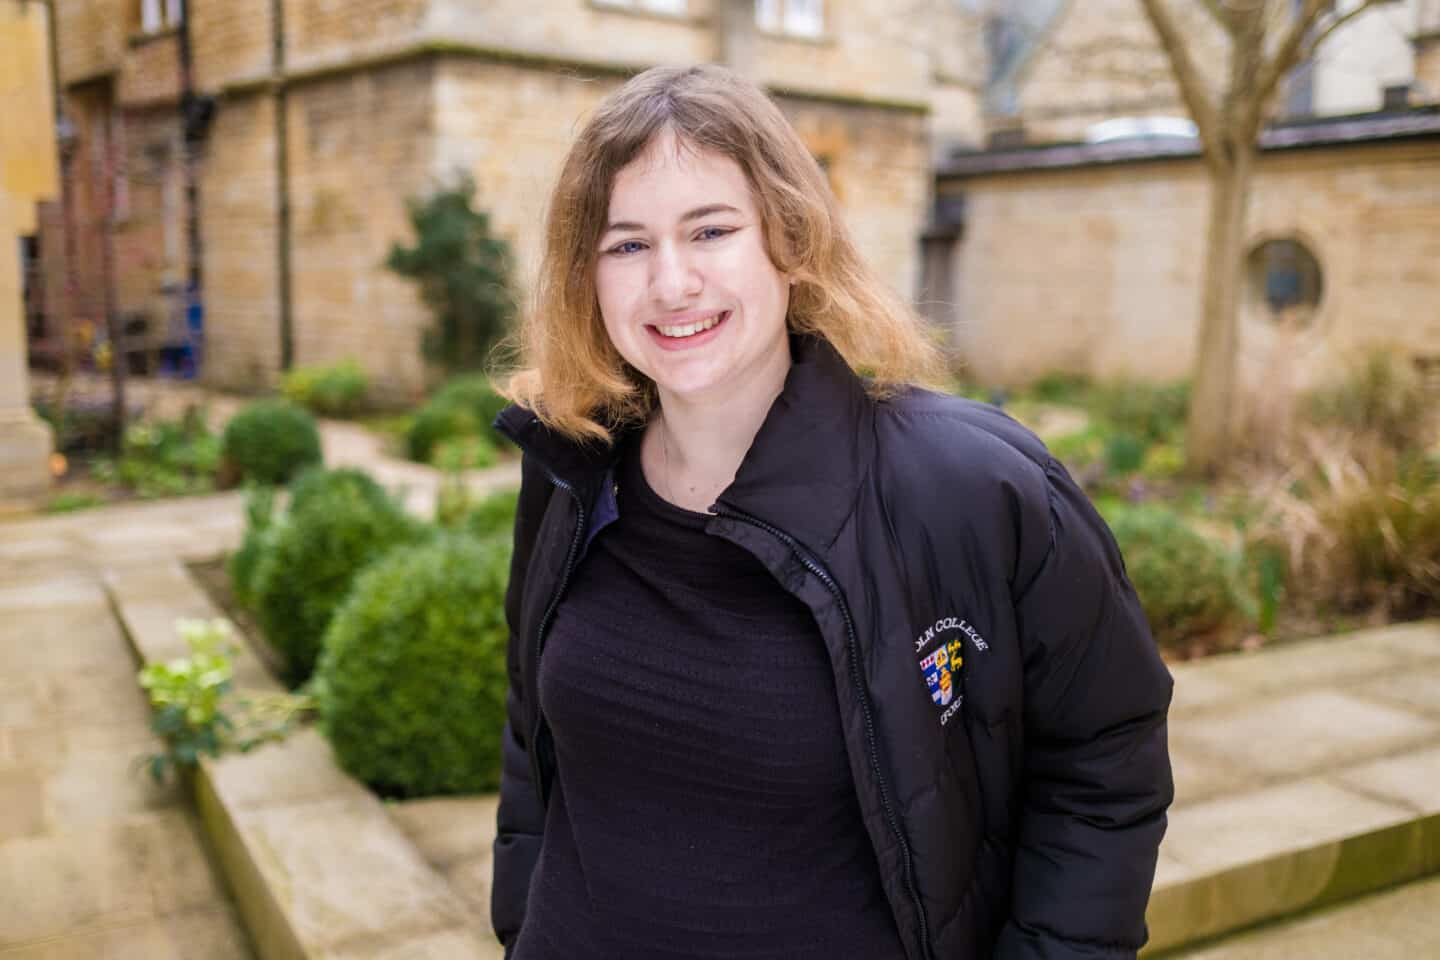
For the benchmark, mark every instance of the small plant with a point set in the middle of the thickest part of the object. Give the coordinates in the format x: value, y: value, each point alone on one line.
x: 337, y: 390
x: 464, y: 407
x: 271, y: 441
x: 463, y: 271
x: 185, y: 697
x: 411, y: 686
x: 188, y: 701
x: 70, y: 501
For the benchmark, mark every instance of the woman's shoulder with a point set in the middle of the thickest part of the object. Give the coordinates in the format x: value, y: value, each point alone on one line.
x: 938, y: 429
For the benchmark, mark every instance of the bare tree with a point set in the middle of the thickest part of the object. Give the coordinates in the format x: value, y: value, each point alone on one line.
x: 1266, y: 40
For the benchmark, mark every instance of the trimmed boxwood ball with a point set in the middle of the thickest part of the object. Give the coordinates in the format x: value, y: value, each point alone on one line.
x: 411, y: 686
x: 259, y: 520
x: 310, y: 560
x: 463, y: 407
x: 270, y: 441
x: 317, y: 483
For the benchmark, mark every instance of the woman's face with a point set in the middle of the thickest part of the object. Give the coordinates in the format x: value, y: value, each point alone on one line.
x: 688, y: 294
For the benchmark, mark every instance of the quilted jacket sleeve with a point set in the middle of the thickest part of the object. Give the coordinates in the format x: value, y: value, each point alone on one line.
x: 520, y: 822
x: 1097, y: 778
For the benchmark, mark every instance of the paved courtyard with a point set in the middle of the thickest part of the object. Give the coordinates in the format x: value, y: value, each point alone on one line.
x: 96, y: 863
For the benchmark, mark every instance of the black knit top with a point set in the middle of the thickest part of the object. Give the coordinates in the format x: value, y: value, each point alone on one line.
x: 703, y: 806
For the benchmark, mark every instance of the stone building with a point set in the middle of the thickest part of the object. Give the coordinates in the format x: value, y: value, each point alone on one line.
x: 312, y: 121
x: 1060, y: 241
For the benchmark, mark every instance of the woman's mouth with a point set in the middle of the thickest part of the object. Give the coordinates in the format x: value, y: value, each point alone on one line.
x: 686, y: 334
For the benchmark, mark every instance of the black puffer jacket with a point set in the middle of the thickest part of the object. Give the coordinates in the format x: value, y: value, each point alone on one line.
x: 1014, y: 783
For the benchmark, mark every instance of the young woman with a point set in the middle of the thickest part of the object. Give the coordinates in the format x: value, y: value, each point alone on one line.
x: 806, y: 661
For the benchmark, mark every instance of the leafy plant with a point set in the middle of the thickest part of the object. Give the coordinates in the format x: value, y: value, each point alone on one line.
x: 188, y: 701
x: 185, y: 696
x: 463, y: 271
x: 69, y: 501
x: 270, y: 441
x: 411, y: 686
x: 336, y: 390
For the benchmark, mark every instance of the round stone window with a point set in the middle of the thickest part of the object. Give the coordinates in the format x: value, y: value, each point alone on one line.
x: 1284, y: 280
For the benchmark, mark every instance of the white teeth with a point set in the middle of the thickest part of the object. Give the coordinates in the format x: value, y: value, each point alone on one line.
x: 690, y: 329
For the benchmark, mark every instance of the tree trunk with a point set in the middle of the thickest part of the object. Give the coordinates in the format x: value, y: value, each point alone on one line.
x: 1207, y: 437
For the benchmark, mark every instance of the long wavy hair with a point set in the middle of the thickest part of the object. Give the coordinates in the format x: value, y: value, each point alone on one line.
x: 572, y: 376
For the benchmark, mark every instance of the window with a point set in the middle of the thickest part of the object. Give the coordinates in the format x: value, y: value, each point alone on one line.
x: 158, y: 15
x: 672, y: 7
x: 796, y: 18
x: 1285, y: 277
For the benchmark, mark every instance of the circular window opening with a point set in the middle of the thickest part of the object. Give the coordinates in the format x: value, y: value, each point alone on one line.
x: 1285, y: 280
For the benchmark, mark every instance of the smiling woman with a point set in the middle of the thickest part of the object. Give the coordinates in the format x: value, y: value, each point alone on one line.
x: 803, y: 663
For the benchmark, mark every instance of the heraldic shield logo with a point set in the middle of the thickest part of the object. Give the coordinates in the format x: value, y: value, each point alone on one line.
x: 940, y: 669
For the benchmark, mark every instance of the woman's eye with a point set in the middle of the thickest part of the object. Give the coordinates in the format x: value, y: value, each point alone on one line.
x: 713, y: 233
x: 627, y: 247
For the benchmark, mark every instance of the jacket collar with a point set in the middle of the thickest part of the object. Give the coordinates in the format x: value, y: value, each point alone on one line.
x: 803, y: 470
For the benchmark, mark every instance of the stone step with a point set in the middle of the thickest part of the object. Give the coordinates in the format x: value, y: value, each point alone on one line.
x: 1305, y: 776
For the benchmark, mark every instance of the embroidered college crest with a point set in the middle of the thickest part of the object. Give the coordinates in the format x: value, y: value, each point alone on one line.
x: 940, y: 669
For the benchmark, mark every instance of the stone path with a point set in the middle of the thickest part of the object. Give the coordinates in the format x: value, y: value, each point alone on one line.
x: 96, y: 863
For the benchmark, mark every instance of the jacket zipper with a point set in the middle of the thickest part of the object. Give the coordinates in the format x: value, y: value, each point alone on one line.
x: 817, y: 569
x: 570, y: 558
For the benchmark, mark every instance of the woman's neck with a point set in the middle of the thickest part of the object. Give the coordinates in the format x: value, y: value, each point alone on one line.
x: 692, y: 450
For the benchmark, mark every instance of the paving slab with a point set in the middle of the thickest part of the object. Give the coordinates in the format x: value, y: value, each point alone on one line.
x: 1289, y: 736
x: 1411, y: 779
x: 1399, y: 924
x: 1417, y: 688
x: 1340, y: 661
x: 447, y: 830
x: 1263, y: 824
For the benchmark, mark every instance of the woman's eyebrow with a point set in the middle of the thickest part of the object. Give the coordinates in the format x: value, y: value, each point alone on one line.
x: 698, y: 213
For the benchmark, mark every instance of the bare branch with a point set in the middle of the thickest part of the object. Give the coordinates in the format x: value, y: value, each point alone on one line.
x: 1188, y: 79
x: 1221, y: 14
x: 1286, y: 56
x: 1335, y: 24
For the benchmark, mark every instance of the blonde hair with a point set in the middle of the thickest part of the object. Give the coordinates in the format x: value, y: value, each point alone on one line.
x: 574, y: 379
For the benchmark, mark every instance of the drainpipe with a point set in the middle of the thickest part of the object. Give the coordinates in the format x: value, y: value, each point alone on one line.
x: 65, y: 140
x: 282, y: 184
x: 194, y: 118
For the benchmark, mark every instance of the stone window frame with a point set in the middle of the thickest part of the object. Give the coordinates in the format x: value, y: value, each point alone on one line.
x: 792, y: 19
x: 160, y: 16
x: 659, y: 9
x: 1307, y: 240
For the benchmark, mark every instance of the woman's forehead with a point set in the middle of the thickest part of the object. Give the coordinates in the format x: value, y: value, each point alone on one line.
x: 671, y: 171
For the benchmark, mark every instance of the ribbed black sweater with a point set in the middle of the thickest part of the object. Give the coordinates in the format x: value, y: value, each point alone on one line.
x: 703, y: 806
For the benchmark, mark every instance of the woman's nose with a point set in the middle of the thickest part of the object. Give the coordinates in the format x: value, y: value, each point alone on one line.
x: 673, y: 278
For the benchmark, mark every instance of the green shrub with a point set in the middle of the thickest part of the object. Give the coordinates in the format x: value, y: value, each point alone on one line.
x: 271, y: 441
x: 412, y: 684
x: 319, y: 484
x: 493, y: 516
x: 1124, y: 453
x: 463, y: 407
x: 1153, y: 412
x: 337, y: 390
x: 1183, y: 578
x: 1064, y: 388
x: 463, y: 273
x: 311, y: 558
x: 259, y: 519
